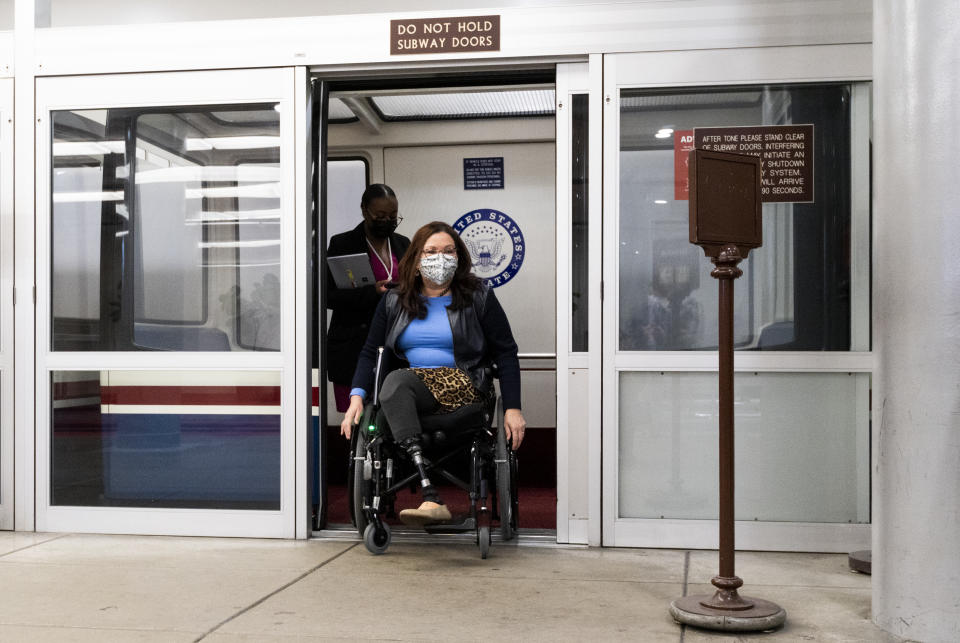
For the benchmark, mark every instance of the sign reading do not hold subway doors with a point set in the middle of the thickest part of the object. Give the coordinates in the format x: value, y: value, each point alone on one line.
x: 444, y: 35
x: 495, y: 243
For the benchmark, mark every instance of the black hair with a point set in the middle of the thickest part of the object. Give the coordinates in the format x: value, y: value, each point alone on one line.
x: 376, y: 191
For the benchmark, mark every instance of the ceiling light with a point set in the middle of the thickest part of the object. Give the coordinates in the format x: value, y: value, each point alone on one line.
x: 233, y: 143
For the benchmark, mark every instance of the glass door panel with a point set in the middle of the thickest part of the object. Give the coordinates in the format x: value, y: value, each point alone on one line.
x: 167, y: 343
x: 802, y: 389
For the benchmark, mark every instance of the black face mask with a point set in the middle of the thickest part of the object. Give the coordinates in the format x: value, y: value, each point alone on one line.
x: 382, y: 229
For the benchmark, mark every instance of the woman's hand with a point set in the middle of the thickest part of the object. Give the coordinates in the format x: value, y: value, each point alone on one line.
x: 352, y: 416
x: 515, y: 426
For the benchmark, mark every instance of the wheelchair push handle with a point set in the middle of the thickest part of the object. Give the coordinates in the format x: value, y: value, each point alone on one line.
x: 376, y: 377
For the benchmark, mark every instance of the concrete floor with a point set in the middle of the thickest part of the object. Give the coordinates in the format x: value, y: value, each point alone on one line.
x: 68, y: 587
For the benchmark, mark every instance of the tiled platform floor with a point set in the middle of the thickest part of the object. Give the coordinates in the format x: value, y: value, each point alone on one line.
x: 67, y: 587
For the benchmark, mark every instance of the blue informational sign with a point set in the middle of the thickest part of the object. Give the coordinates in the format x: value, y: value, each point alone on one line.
x: 495, y: 243
x: 483, y: 173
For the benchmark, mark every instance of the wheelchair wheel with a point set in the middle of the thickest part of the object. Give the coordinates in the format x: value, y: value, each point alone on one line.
x: 483, y: 539
x: 506, y: 480
x: 358, y: 485
x: 376, y: 540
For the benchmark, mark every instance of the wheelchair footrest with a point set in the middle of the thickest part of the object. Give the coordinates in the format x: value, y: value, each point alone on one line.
x: 457, y: 525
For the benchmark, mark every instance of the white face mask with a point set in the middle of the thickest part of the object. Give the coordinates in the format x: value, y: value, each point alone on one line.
x: 439, y: 268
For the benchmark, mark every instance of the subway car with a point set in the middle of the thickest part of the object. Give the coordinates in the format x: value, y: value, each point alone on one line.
x: 164, y: 370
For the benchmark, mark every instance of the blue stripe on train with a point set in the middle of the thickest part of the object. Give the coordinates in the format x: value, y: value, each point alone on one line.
x: 157, y: 457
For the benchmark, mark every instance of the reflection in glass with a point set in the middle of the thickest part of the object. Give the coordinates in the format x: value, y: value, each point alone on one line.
x: 346, y: 181
x: 204, y: 440
x: 166, y: 229
x: 795, y: 291
x: 580, y: 219
x: 799, y: 457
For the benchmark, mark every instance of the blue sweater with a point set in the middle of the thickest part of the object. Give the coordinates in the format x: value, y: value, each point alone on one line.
x: 492, y: 322
x: 428, y: 342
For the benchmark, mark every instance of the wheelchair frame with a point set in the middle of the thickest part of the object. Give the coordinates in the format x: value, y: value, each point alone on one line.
x: 376, y: 459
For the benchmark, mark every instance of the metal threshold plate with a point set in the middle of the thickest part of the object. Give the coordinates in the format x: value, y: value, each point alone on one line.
x: 525, y: 537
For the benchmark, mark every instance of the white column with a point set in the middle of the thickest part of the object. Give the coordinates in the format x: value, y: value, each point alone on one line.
x: 916, y: 431
x: 25, y: 13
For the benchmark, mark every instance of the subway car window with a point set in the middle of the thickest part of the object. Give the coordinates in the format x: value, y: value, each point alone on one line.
x: 795, y: 292
x: 166, y: 439
x: 166, y: 229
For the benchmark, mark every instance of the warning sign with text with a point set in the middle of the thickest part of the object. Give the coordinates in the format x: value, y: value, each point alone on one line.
x: 483, y: 173
x: 444, y: 35
x: 785, y: 151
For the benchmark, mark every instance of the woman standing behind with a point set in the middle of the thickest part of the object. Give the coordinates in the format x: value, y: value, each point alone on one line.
x: 353, y: 308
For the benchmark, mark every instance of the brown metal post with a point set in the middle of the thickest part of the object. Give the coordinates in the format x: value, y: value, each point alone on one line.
x: 726, y: 582
x: 726, y: 427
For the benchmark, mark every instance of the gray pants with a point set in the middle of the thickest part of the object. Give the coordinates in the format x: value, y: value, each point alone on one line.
x: 404, y: 398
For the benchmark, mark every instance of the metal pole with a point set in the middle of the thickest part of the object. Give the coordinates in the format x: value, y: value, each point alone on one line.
x: 726, y: 609
x: 726, y: 429
x: 726, y: 582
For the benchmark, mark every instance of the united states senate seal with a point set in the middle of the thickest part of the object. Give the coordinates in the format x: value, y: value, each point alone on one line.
x: 495, y: 243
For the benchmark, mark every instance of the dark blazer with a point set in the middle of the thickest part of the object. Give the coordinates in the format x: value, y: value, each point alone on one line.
x: 352, y: 309
x: 481, y: 338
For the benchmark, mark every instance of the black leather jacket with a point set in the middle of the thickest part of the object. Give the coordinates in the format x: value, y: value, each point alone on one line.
x: 481, y: 338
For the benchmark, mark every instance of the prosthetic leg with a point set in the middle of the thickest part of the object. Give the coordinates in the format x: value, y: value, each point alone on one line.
x: 432, y: 510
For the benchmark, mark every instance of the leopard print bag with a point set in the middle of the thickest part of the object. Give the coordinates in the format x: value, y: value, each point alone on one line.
x: 451, y: 387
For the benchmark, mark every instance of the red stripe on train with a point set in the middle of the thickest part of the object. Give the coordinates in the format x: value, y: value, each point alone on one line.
x: 76, y: 389
x: 192, y: 395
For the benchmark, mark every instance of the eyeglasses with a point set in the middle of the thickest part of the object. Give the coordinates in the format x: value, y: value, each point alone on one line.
x: 433, y: 252
x: 397, y: 219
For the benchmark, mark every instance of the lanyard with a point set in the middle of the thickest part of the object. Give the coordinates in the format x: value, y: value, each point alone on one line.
x: 380, y: 259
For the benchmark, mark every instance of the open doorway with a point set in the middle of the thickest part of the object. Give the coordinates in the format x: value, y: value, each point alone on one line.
x: 453, y: 149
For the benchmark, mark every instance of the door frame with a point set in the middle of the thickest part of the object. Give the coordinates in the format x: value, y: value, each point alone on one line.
x: 6, y: 306
x: 712, y: 68
x: 337, y: 74
x: 180, y: 89
x: 578, y: 372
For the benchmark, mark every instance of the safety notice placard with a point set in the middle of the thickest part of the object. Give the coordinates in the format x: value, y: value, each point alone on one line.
x: 483, y: 173
x: 785, y: 151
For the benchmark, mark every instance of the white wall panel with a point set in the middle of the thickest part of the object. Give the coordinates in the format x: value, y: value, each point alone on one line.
x: 539, y: 399
x: 429, y: 185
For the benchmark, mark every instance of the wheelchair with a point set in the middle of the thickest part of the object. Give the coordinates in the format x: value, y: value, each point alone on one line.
x: 379, y: 469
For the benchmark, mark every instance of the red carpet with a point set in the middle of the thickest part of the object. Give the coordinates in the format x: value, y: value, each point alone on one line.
x: 538, y: 505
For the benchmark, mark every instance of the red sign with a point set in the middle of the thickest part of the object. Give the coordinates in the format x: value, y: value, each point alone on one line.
x: 682, y: 144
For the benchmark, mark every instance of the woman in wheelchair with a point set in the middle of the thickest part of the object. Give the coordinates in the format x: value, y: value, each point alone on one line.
x: 447, y: 324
